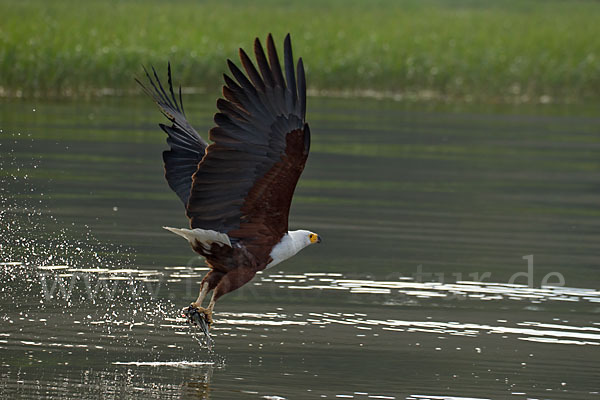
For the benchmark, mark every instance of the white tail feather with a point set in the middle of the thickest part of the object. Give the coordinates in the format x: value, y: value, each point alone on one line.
x: 205, y: 237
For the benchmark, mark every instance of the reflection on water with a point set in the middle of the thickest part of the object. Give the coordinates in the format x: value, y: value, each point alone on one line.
x: 147, y: 334
x: 92, y: 288
x: 426, y: 397
x: 239, y: 324
x: 176, y: 364
x: 460, y: 289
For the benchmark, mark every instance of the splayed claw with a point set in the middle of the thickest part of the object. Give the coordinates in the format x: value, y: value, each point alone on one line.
x: 201, y: 317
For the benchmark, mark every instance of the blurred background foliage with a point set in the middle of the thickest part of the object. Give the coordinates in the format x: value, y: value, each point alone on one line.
x: 460, y: 50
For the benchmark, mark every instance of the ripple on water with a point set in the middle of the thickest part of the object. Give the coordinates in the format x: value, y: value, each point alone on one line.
x: 483, y: 291
x: 473, y: 290
x: 433, y: 397
x: 175, y: 364
x: 532, y: 331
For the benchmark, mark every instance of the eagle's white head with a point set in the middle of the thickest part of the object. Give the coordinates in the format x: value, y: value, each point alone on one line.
x: 304, y: 238
x: 291, y: 243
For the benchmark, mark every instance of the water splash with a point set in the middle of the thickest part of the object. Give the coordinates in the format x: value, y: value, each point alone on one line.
x: 49, y: 268
x: 30, y: 234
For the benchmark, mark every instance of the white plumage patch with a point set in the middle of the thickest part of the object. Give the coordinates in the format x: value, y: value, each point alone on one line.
x: 290, y: 244
x: 204, y: 237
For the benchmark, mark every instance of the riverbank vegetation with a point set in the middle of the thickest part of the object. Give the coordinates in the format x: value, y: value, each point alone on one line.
x: 463, y: 50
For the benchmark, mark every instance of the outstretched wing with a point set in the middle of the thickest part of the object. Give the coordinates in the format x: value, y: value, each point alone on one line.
x: 186, y: 147
x: 245, y: 183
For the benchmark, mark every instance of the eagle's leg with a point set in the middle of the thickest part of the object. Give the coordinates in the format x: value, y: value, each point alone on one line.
x: 210, y: 281
x: 208, y: 311
x: 231, y: 281
x: 204, y: 288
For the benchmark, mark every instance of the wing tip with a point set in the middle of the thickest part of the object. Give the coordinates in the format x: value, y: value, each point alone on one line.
x: 306, y: 138
x: 301, y: 87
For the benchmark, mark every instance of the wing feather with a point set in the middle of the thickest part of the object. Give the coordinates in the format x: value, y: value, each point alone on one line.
x: 245, y: 183
x: 274, y: 62
x: 186, y: 147
x: 301, y: 88
x: 290, y: 75
x: 263, y: 65
x: 252, y: 72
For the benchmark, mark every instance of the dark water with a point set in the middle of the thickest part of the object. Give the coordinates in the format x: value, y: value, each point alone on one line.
x: 460, y: 259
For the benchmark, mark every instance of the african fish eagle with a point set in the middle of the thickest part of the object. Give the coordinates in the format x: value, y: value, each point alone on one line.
x: 237, y: 191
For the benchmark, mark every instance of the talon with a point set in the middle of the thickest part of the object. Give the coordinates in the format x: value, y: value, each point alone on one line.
x: 194, y: 314
x: 207, y: 315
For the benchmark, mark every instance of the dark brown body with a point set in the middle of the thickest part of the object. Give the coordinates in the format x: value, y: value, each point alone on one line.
x: 266, y: 210
x: 231, y: 268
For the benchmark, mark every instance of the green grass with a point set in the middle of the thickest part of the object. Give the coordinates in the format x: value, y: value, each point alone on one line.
x: 506, y: 50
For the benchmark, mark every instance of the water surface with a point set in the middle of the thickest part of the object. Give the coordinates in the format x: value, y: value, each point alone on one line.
x: 426, y: 214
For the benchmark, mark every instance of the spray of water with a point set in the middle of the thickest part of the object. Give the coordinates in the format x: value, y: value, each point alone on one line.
x: 47, y: 268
